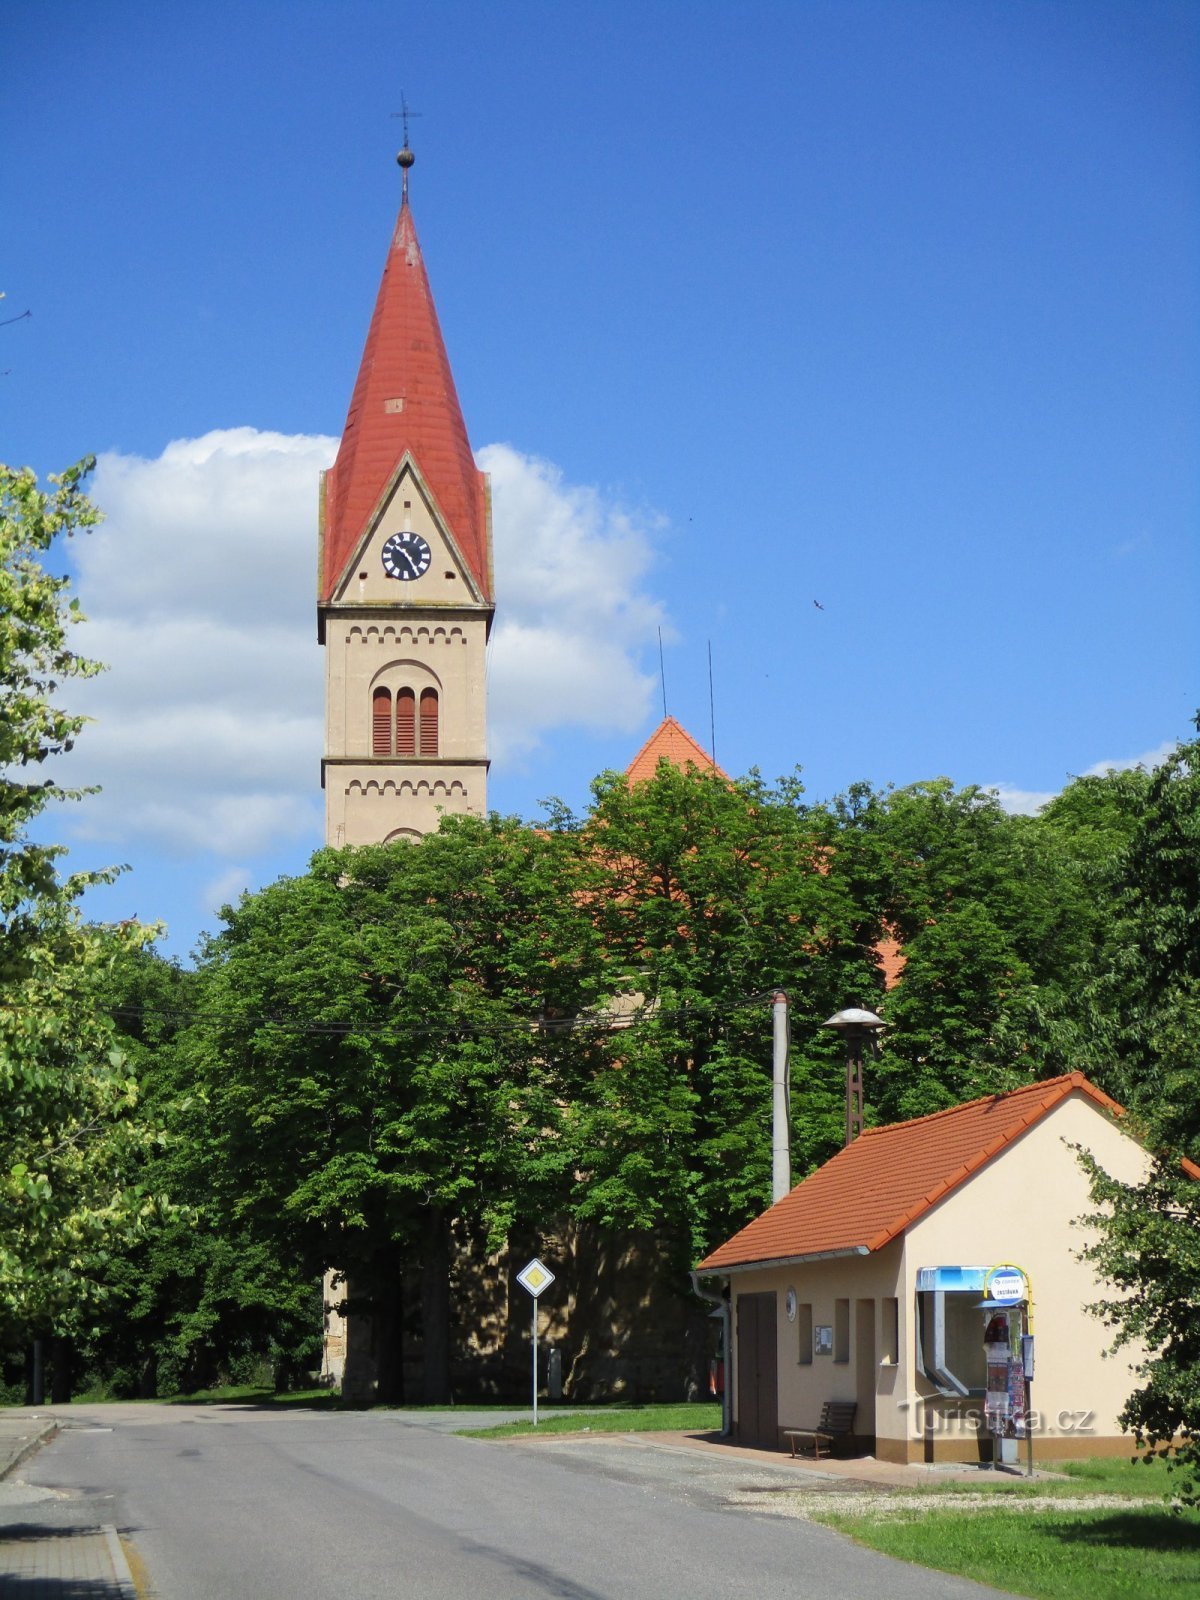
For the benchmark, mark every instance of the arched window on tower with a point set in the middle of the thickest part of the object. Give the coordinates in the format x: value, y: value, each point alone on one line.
x: 381, y: 722
x: 429, y: 722
x: 406, y: 723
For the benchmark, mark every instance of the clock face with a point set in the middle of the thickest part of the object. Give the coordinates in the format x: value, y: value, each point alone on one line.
x: 406, y: 556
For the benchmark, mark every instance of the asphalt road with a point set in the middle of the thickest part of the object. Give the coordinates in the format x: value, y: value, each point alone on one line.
x: 230, y: 1503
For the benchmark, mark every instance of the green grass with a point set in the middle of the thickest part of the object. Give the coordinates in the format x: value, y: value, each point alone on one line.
x: 1123, y: 1475
x: 617, y: 1418
x: 1116, y: 1475
x: 1048, y: 1555
x: 255, y: 1394
x: 1061, y: 1553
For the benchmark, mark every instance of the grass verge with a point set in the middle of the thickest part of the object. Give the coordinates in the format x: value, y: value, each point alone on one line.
x: 1059, y: 1555
x: 1054, y: 1551
x: 254, y: 1394
x: 1116, y: 1475
x: 618, y: 1418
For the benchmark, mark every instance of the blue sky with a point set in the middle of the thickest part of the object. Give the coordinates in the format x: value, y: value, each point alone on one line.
x: 888, y: 306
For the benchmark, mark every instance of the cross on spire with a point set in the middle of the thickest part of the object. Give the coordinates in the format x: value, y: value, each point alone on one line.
x: 406, y: 158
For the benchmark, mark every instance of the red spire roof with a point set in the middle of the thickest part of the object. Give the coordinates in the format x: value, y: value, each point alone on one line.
x: 404, y: 400
x: 669, y: 742
x: 876, y: 1187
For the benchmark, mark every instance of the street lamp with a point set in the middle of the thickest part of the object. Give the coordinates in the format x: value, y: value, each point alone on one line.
x: 859, y: 1029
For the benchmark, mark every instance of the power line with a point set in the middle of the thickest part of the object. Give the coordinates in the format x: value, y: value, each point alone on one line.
x: 606, y: 1022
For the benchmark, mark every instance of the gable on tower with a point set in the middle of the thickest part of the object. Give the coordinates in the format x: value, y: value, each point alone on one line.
x: 407, y: 505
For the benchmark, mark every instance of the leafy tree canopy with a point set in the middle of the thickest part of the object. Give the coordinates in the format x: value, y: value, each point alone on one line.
x: 69, y: 1140
x: 1149, y: 994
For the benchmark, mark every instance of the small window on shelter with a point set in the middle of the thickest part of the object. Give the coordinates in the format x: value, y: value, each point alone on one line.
x: 841, y: 1330
x: 891, y: 1330
x: 804, y: 1334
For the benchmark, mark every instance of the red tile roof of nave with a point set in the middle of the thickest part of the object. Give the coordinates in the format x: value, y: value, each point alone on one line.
x: 891, y: 959
x: 879, y: 1185
x: 404, y: 359
x: 669, y: 742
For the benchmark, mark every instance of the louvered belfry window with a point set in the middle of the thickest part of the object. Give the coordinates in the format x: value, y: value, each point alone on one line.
x: 429, y: 722
x: 407, y: 735
x: 381, y: 722
x: 406, y: 723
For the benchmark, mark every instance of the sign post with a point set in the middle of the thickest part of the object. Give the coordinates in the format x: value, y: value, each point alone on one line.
x: 534, y: 1278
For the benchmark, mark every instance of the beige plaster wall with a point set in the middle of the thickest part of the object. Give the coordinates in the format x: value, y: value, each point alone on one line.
x: 363, y: 650
x: 1021, y: 1208
x: 371, y: 802
x: 804, y: 1387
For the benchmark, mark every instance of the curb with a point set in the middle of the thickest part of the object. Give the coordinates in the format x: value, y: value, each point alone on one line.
x: 43, y: 1436
x: 116, y: 1554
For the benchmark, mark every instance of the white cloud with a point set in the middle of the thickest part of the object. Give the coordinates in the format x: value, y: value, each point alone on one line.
x: 1150, y: 760
x: 1027, y: 802
x: 1021, y: 802
x: 572, y: 614
x: 226, y: 889
x: 200, y: 590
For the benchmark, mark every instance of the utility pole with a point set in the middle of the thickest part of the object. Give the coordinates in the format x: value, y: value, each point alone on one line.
x: 781, y: 1118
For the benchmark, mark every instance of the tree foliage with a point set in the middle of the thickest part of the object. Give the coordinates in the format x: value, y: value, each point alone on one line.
x: 1148, y: 1249
x: 709, y: 895
x: 377, y: 1055
x: 69, y: 1140
x: 1149, y: 992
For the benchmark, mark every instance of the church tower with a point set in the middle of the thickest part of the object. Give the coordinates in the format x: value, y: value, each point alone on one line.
x: 404, y: 579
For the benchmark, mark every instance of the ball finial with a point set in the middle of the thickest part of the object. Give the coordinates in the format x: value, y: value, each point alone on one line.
x: 406, y: 158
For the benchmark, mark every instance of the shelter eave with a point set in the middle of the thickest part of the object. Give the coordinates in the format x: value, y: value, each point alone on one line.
x: 729, y: 1268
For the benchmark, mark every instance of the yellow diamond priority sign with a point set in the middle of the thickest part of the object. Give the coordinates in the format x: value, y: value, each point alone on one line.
x: 535, y: 1277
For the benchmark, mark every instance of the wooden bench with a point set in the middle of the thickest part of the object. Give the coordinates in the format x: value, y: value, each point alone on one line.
x: 837, y: 1422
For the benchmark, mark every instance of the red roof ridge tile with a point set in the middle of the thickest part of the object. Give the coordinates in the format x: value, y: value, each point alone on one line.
x: 792, y: 1228
x: 1075, y: 1079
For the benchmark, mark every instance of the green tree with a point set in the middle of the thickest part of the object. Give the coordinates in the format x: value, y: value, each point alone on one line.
x: 1002, y: 920
x: 69, y: 1137
x: 197, y: 1300
x: 368, y: 1071
x: 1148, y: 1249
x: 1149, y: 1244
x: 709, y: 895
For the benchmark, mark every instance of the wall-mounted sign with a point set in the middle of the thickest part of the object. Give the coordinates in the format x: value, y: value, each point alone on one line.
x: 823, y: 1339
x: 790, y: 1302
x: 1006, y: 1285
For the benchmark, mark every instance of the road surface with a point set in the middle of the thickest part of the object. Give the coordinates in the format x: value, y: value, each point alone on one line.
x: 240, y: 1503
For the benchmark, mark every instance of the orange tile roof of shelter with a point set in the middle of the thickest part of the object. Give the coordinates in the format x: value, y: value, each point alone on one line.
x: 875, y: 1188
x: 404, y: 400
x: 670, y: 742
